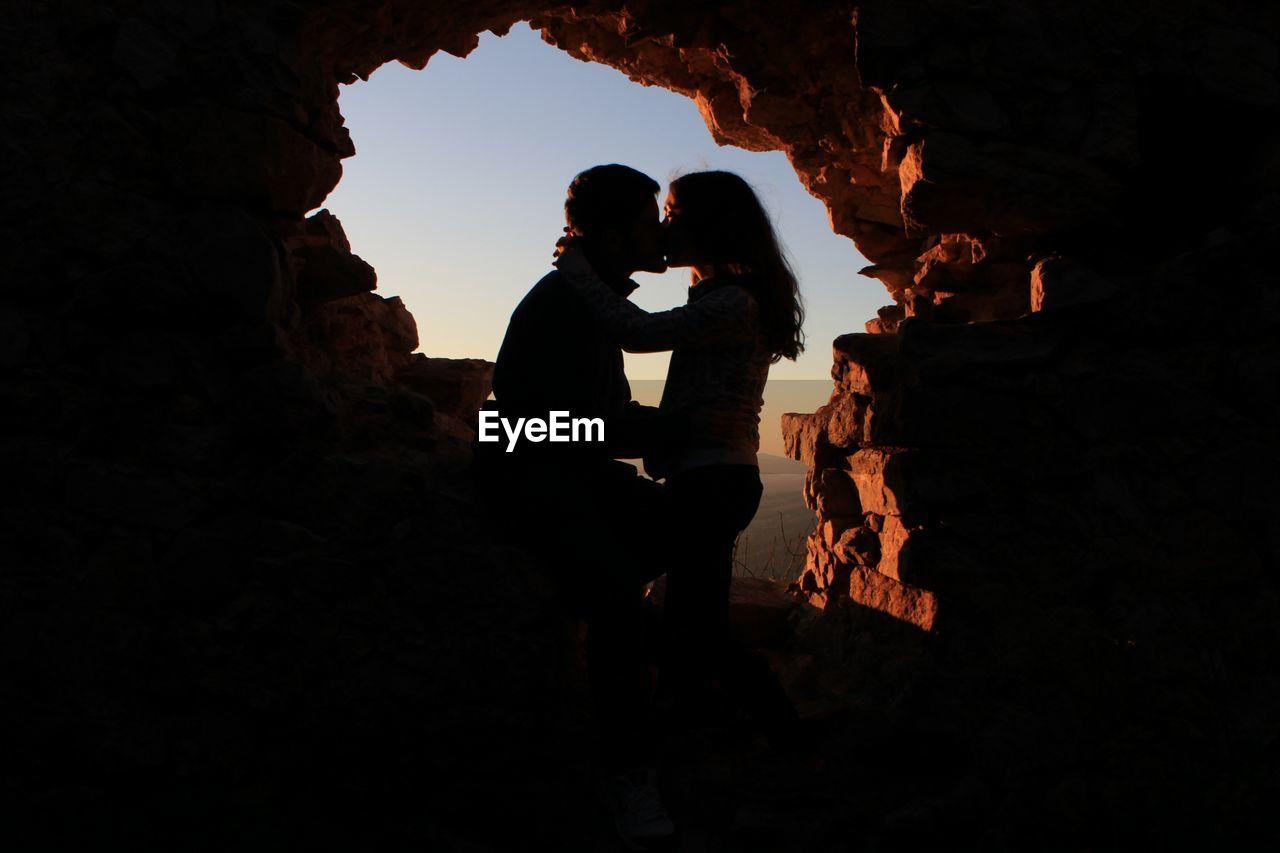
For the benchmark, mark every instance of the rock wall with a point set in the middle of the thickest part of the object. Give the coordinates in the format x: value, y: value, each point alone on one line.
x: 1036, y: 459
x: 243, y: 552
x: 246, y: 599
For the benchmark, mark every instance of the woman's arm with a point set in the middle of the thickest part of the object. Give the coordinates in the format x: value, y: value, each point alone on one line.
x: 725, y: 312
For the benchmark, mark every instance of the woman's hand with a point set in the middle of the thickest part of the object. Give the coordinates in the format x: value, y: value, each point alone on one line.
x: 571, y: 259
x: 569, y: 240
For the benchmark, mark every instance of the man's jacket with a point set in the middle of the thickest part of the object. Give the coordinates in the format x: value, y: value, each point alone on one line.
x: 555, y: 357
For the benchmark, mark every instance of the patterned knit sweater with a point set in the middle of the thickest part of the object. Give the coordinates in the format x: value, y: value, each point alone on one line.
x: 719, y: 361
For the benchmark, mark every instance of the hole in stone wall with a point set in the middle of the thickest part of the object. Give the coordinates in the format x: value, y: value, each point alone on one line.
x: 456, y: 198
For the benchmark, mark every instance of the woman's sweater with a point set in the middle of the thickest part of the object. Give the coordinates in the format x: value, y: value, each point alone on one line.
x: 719, y: 361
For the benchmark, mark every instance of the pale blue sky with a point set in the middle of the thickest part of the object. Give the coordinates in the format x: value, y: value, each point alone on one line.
x: 456, y: 192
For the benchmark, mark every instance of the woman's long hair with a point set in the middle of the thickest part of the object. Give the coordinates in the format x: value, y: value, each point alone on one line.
x: 728, y: 228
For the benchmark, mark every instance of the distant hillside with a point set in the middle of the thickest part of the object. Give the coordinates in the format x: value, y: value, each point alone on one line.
x: 771, y: 464
x: 773, y: 544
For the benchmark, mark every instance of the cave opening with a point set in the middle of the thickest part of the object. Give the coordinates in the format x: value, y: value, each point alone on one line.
x: 851, y: 169
x: 458, y: 183
x: 456, y: 190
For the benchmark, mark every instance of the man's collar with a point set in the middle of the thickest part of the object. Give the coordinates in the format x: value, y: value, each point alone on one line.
x: 618, y: 283
x: 624, y: 287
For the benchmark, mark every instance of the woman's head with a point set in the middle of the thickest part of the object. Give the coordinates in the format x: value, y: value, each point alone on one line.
x: 715, y: 222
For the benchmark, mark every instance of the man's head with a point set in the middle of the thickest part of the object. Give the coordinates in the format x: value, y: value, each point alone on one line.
x: 614, y: 209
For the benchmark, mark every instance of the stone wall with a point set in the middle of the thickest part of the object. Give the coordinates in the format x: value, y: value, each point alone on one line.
x: 243, y: 551
x: 1050, y: 456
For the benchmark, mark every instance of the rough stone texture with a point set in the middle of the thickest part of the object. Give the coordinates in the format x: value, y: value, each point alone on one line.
x: 246, y: 586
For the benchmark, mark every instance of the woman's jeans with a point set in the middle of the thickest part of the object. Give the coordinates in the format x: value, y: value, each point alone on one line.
x: 710, y: 505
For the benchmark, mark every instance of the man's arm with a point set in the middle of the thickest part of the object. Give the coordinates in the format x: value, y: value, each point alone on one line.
x: 726, y: 312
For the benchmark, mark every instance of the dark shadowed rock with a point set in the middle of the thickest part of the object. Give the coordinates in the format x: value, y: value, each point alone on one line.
x: 457, y: 386
x: 247, y: 589
x: 327, y: 268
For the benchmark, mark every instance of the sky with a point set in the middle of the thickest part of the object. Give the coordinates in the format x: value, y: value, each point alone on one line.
x: 456, y: 192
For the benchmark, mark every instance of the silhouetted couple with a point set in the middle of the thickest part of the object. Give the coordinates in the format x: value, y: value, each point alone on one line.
x: 603, y: 530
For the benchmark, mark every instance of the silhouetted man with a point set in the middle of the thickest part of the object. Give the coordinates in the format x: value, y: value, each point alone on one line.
x: 597, y: 524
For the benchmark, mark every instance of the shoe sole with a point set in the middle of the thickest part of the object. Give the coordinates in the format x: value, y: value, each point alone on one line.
x: 640, y: 845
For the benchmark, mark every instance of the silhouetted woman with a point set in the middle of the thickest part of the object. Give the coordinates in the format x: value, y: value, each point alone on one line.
x: 743, y: 314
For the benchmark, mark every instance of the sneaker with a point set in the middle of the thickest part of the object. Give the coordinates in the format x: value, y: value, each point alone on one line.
x: 638, y: 813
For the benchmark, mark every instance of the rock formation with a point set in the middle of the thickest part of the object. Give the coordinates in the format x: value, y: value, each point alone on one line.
x: 242, y: 551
